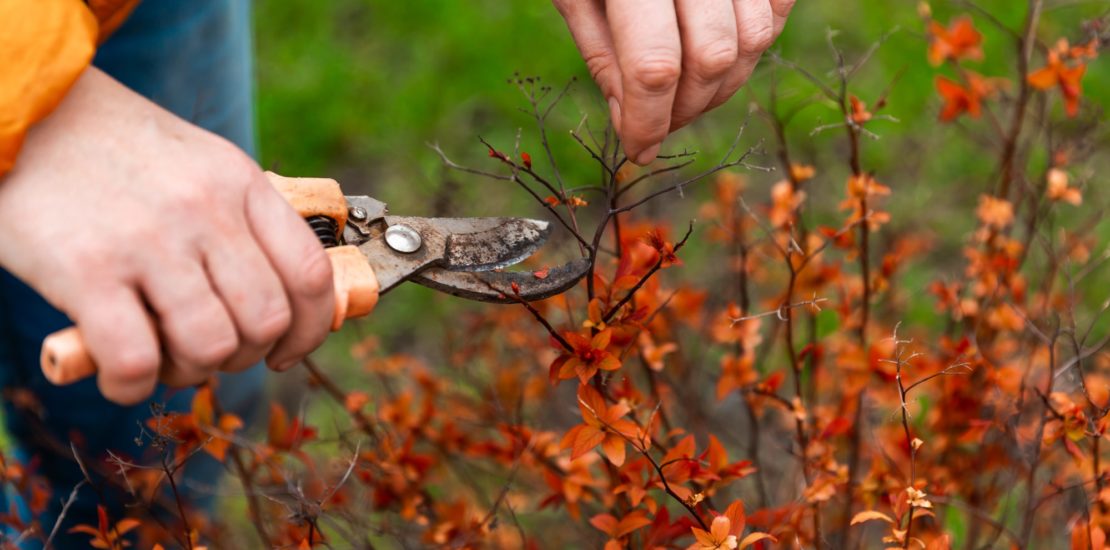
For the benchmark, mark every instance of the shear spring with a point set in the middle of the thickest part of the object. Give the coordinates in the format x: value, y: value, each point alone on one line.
x: 326, y: 229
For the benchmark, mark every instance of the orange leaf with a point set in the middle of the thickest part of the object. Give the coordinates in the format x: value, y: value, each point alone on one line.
x: 600, y: 340
x: 958, y: 41
x: 1043, y: 79
x: 736, y: 517
x: 591, y: 403
x: 203, y: 406
x: 355, y: 401
x: 87, y: 529
x: 588, y: 438
x: 605, y: 523
x: 613, y: 447
x: 279, y: 425
x: 870, y: 515
x: 632, y: 522
x: 754, y: 538
x: 125, y: 525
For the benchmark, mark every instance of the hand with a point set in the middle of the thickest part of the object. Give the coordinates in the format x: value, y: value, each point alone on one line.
x: 164, y: 243
x: 662, y: 63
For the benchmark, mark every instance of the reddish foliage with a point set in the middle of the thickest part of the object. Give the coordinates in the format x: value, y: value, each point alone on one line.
x: 829, y: 363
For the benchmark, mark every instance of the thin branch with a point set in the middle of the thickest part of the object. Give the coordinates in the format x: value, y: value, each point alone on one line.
x: 814, y: 303
x: 723, y: 165
x: 643, y: 280
x: 62, y: 515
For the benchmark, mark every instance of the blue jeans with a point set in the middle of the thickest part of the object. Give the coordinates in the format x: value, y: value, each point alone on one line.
x: 194, y: 59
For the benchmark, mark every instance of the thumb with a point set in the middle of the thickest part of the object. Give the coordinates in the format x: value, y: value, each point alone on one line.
x: 590, y: 29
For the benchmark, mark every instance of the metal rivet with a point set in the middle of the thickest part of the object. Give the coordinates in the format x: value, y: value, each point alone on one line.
x: 403, y: 239
x: 358, y: 213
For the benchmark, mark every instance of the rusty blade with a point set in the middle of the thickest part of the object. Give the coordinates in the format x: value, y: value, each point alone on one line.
x: 497, y: 286
x: 454, y: 245
x: 485, y: 244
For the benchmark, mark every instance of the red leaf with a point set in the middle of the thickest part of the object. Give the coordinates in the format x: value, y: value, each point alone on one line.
x: 838, y: 426
x: 773, y: 381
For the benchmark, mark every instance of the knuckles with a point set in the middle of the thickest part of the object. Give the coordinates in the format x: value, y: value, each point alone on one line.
x: 232, y: 167
x: 210, y: 354
x: 89, y: 257
x: 224, y: 183
x: 130, y: 377
x: 600, y: 62
x: 757, y: 36
x: 200, y: 333
x: 713, y: 60
x: 134, y: 366
x: 270, y: 326
x: 108, y: 256
x: 655, y: 71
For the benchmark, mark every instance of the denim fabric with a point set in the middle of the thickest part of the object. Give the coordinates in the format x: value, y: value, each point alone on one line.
x: 193, y: 58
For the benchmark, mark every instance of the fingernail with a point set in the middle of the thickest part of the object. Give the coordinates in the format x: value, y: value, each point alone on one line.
x: 615, y: 113
x: 648, y: 154
x: 279, y: 366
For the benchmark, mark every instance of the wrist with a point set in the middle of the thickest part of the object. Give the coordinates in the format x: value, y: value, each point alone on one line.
x: 48, y: 45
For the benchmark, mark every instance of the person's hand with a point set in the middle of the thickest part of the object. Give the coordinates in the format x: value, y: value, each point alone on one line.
x: 163, y: 242
x: 662, y: 63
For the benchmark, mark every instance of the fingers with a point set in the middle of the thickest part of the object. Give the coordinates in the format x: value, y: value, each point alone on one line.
x: 662, y: 63
x: 781, y: 9
x: 197, y: 332
x: 252, y: 293
x: 709, y: 51
x: 588, y: 25
x: 649, y: 52
x: 304, y: 269
x: 121, y: 339
x: 755, y: 26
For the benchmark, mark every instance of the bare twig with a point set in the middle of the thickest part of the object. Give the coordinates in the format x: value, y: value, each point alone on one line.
x: 62, y: 515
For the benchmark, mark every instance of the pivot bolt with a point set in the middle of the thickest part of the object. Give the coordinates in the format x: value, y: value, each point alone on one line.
x: 403, y: 239
x: 358, y: 213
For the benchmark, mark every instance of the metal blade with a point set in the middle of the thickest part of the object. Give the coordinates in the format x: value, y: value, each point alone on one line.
x: 485, y: 244
x: 391, y: 268
x: 453, y: 245
x: 458, y: 255
x: 460, y: 244
x: 497, y: 286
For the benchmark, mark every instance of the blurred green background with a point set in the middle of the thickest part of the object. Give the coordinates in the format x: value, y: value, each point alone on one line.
x: 356, y: 89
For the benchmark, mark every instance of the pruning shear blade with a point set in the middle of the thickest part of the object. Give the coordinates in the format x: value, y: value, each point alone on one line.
x: 460, y: 256
x: 504, y: 287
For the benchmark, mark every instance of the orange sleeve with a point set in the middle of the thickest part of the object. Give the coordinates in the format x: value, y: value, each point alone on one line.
x: 46, y: 44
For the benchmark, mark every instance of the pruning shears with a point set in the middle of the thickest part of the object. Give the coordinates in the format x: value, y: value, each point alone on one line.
x: 372, y: 253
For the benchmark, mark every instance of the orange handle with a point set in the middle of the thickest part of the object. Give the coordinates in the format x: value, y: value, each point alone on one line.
x: 356, y: 286
x: 313, y: 196
x: 65, y: 359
